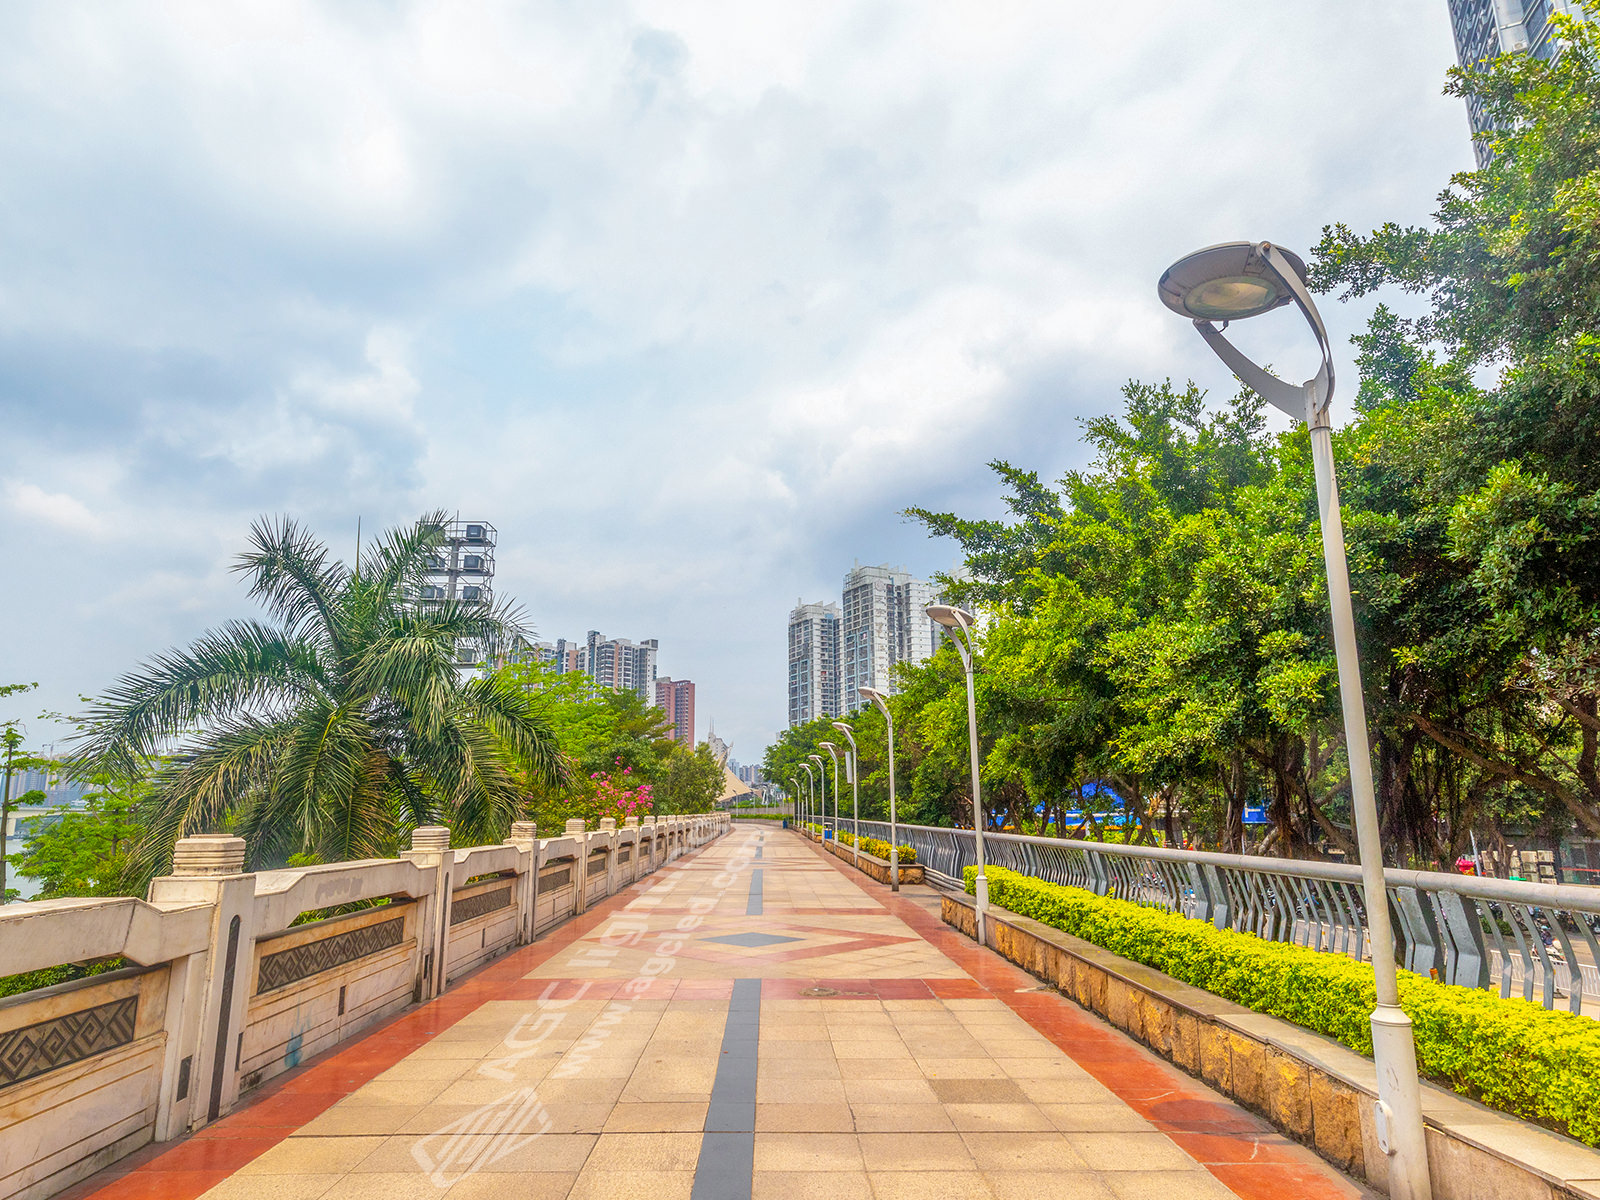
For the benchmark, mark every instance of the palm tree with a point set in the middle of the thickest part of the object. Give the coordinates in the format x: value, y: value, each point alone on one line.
x: 338, y: 729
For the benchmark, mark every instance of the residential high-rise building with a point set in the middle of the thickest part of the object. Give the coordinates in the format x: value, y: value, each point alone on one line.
x: 813, y: 662
x: 560, y: 654
x: 675, y: 698
x: 1485, y: 29
x: 882, y: 623
x: 620, y: 665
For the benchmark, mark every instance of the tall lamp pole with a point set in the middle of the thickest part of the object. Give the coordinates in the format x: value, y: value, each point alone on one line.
x: 855, y: 787
x: 822, y: 774
x: 881, y: 703
x: 833, y: 753
x: 811, y: 782
x: 960, y: 624
x: 1229, y: 283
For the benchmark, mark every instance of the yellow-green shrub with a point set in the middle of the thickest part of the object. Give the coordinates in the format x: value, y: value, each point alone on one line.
x: 877, y: 848
x: 1513, y: 1055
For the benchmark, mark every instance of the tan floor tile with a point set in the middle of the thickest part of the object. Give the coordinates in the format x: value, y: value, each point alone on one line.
x: 890, y: 1091
x: 901, y: 1118
x: 313, y: 1156
x: 1166, y: 1185
x: 800, y: 1091
x: 633, y: 1185
x: 870, y: 1068
x: 915, y: 1152
x: 279, y: 1187
x: 960, y: 1068
x: 586, y: 1089
x: 577, y: 1118
x: 374, y: 1119
x: 804, y: 1118
x: 687, y: 1117
x: 807, y: 1152
x: 1022, y: 1152
x: 1057, y: 1067
x: 1115, y: 1117
x: 1129, y: 1151
x: 1066, y: 1091
x: 1064, y: 1185
x: 816, y: 1067
x: 998, y: 1117
x: 629, y: 1152
x: 545, y: 1153
x: 945, y: 1185
x: 533, y: 1185
x: 474, y: 1091
x: 382, y: 1186
x: 810, y: 1185
x: 409, y: 1092
x: 425, y: 1068
x: 977, y: 1091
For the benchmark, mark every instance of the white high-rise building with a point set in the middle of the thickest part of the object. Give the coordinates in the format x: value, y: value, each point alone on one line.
x: 882, y: 623
x: 1485, y: 29
x: 813, y: 662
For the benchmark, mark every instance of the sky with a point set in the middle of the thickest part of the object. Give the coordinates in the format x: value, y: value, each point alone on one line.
x: 689, y: 300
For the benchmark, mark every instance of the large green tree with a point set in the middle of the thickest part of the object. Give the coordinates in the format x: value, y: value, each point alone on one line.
x: 335, y: 730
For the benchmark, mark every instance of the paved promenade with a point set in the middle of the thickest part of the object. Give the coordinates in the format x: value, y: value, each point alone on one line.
x: 753, y: 1021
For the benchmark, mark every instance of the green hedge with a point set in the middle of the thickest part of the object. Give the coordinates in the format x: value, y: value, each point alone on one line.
x: 1512, y: 1055
x: 873, y: 846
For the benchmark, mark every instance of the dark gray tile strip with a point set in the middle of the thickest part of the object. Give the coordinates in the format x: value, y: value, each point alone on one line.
x: 752, y: 907
x: 728, y: 1148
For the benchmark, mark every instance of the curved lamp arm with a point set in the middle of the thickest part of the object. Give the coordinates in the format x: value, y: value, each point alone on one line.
x: 1308, y: 402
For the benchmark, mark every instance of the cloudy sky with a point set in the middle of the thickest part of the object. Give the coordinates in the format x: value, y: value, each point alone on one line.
x: 689, y: 300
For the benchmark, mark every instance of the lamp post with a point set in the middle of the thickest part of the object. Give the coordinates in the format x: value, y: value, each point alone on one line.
x: 960, y: 623
x: 833, y: 753
x: 811, y: 782
x: 855, y: 787
x: 881, y: 703
x: 822, y: 813
x: 1229, y: 283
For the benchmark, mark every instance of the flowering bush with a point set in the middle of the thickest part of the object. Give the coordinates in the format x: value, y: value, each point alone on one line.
x: 619, y: 794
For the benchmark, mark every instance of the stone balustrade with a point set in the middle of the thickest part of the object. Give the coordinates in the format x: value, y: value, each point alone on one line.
x: 225, y: 991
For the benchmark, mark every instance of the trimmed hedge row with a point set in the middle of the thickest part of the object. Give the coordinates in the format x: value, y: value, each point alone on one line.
x: 872, y: 845
x: 1512, y: 1055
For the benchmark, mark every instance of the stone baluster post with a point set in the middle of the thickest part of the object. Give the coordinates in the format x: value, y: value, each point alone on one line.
x: 578, y: 832
x: 430, y: 850
x: 608, y: 830
x: 207, y: 993
x: 525, y: 837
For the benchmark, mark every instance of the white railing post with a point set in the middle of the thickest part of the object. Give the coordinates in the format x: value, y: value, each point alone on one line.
x: 578, y: 831
x: 207, y: 993
x: 525, y: 837
x: 430, y: 850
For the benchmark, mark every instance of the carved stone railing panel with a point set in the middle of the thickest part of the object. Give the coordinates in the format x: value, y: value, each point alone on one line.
x: 301, y: 962
x: 61, y: 1041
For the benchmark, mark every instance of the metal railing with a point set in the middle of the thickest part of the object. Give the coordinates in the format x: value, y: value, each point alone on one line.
x: 1495, y: 934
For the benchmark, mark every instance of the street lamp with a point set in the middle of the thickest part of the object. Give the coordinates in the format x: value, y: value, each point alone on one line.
x: 1228, y: 283
x: 811, y: 782
x: 822, y: 813
x: 881, y: 703
x: 960, y: 623
x: 855, y: 788
x: 833, y: 753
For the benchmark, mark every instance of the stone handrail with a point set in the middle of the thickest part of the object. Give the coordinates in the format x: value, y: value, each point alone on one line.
x: 227, y: 992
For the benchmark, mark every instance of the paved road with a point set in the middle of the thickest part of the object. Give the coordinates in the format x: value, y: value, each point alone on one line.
x: 756, y: 1021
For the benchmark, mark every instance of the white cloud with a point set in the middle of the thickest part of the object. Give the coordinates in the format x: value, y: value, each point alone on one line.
x: 690, y: 299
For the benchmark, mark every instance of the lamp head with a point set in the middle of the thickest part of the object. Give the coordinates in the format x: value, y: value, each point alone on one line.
x: 1227, y: 282
x: 828, y: 746
x: 950, y: 617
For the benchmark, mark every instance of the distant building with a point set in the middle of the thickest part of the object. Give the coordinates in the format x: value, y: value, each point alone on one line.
x: 462, y: 569
x: 675, y: 698
x: 560, y: 654
x: 620, y: 665
x: 1486, y: 29
x: 813, y: 662
x: 882, y: 624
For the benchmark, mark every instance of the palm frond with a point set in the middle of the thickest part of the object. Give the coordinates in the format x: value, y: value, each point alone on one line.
x: 515, y: 718
x: 289, y: 569
x: 242, y: 666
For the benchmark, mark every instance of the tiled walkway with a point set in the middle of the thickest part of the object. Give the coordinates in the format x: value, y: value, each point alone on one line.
x: 755, y: 1021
